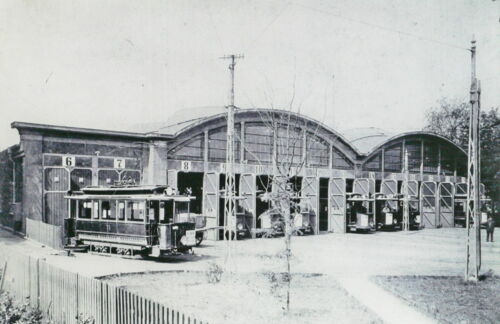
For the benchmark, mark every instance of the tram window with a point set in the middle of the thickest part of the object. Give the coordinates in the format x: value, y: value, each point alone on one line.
x: 121, y: 210
x: 162, y: 211
x: 153, y: 212
x: 96, y: 210
x: 72, y: 208
x: 84, y: 209
x: 135, y: 211
x: 168, y: 210
x: 182, y: 211
x: 108, y: 209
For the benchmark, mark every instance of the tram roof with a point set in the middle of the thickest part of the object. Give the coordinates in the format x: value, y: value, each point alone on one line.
x: 126, y: 188
x: 141, y: 197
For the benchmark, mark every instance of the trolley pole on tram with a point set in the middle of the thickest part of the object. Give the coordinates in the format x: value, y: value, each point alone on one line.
x: 229, y: 196
x: 473, y: 242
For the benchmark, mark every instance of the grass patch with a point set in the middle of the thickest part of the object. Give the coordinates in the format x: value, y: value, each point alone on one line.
x: 239, y: 298
x: 448, y: 299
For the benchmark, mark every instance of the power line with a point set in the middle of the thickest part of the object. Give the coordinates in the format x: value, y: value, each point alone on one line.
x: 362, y: 22
x: 251, y: 43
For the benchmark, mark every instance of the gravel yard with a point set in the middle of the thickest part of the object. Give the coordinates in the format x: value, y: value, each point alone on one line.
x: 345, y: 264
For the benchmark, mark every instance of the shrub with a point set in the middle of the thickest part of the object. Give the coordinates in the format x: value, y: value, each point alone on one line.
x: 11, y: 312
x: 214, y: 273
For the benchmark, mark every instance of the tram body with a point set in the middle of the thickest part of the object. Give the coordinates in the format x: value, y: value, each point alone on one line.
x: 460, y: 206
x: 130, y: 220
x: 360, y: 206
x: 360, y: 216
x: 389, y: 212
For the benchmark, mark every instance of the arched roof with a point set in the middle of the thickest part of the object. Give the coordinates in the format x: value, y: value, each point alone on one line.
x: 390, y: 139
x: 360, y: 141
x: 198, y: 120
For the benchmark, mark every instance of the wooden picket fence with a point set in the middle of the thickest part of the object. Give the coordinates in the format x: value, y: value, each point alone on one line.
x: 63, y: 296
x: 50, y: 235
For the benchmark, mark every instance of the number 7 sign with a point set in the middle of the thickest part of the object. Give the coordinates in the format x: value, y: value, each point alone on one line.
x: 119, y: 163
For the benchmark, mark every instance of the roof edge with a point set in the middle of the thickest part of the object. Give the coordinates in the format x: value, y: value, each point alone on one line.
x: 89, y: 131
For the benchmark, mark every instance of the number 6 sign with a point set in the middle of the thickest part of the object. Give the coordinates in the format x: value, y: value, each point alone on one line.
x: 68, y: 161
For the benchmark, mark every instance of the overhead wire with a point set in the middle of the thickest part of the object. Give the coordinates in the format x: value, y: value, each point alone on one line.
x: 367, y: 23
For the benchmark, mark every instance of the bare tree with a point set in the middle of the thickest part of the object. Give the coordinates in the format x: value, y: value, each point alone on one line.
x: 292, y: 137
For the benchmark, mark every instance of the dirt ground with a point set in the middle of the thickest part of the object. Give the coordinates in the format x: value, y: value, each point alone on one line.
x: 350, y: 259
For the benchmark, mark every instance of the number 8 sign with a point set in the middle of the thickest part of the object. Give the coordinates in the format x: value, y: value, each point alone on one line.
x: 186, y: 166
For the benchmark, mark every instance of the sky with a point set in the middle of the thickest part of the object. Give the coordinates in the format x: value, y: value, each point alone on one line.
x: 348, y: 63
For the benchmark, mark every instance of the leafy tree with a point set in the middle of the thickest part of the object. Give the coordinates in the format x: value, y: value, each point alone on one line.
x: 451, y: 120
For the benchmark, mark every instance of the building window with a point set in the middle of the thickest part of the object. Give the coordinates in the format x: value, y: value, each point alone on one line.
x: 462, y: 167
x: 318, y: 151
x: 340, y: 161
x: 289, y: 144
x: 392, y: 158
x: 414, y: 150
x: 217, y: 143
x: 373, y: 164
x: 258, y: 144
x: 447, y: 161
x: 189, y: 150
x: 431, y: 158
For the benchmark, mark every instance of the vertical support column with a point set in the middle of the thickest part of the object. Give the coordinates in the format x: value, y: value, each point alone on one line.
x: 157, y: 163
x: 422, y: 155
x: 32, y: 204
x: 330, y: 160
x: 473, y: 242
x: 439, y: 160
x: 205, y: 151
x: 95, y: 171
x: 382, y: 162
x: 304, y: 147
x: 242, y: 142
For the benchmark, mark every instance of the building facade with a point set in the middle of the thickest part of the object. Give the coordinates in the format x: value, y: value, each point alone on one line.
x: 190, y: 153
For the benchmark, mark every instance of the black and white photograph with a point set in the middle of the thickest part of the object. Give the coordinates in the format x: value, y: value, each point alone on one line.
x: 249, y: 161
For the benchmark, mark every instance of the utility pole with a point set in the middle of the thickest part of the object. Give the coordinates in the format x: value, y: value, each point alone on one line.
x: 473, y: 243
x: 229, y: 197
x: 406, y: 193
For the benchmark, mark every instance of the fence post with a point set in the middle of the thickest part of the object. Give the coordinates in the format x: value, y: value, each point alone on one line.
x: 101, y: 303
x: 77, y: 294
x: 3, y: 275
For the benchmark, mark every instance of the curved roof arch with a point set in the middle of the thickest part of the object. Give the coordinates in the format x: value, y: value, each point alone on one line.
x: 388, y: 140
x: 194, y: 125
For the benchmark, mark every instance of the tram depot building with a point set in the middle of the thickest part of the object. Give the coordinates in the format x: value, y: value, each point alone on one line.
x: 51, y: 160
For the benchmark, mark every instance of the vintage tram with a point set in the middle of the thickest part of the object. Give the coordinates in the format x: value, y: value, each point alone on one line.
x: 360, y: 206
x: 130, y: 220
x: 460, y: 206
